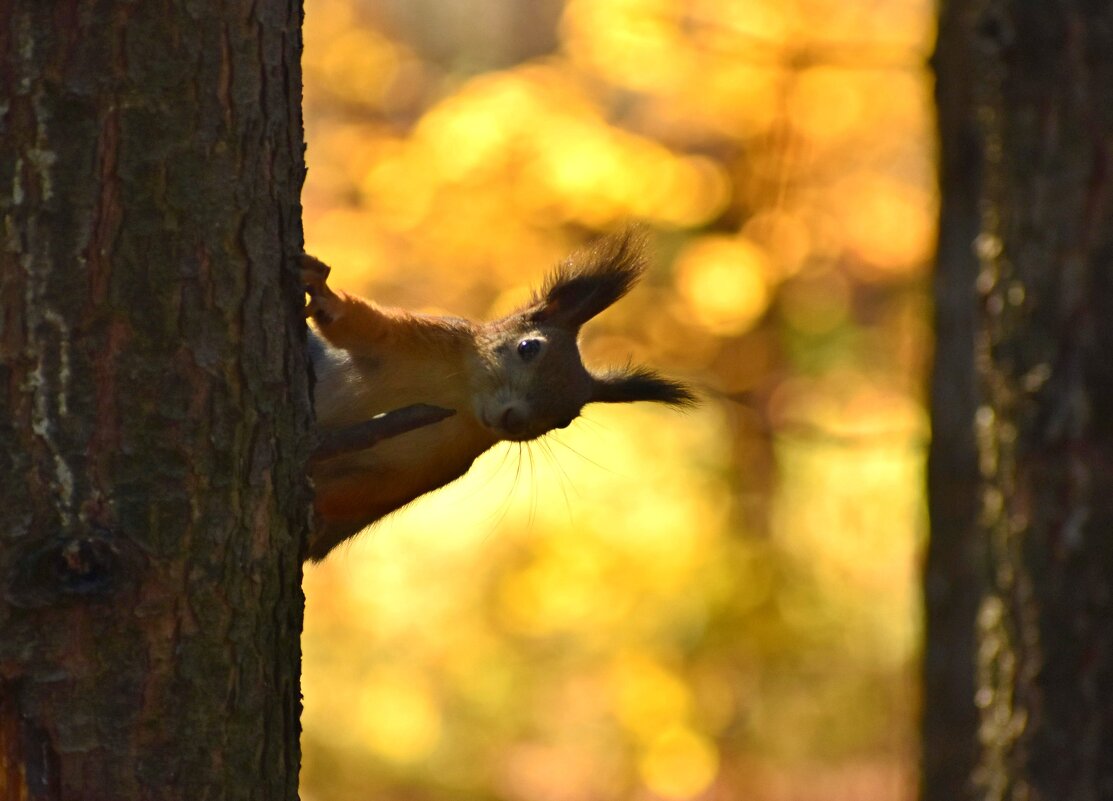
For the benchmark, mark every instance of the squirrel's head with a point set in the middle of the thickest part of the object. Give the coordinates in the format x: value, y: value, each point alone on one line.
x: 531, y: 377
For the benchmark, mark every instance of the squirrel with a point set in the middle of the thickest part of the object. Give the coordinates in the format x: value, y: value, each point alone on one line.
x: 516, y: 379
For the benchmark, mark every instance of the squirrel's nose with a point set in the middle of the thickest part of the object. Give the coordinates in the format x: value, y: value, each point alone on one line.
x: 513, y: 420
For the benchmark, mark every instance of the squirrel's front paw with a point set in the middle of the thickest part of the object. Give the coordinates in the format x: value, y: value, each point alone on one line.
x: 323, y: 304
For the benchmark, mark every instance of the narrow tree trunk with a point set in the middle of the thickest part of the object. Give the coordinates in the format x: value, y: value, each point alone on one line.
x: 153, y: 399
x: 953, y: 572
x: 1042, y: 75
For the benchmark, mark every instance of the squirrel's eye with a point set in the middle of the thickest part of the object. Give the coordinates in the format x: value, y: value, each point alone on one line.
x: 528, y: 349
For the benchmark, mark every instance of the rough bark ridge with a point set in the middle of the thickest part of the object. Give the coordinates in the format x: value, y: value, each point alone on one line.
x: 953, y: 571
x: 1042, y: 76
x: 153, y: 399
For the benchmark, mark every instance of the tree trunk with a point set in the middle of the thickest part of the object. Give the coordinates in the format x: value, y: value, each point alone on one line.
x: 1042, y: 80
x: 154, y: 410
x: 953, y: 569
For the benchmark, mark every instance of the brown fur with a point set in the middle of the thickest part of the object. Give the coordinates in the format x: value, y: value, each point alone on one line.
x: 511, y: 379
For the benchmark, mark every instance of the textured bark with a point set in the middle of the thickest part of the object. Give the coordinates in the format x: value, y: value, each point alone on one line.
x: 1042, y: 77
x: 154, y: 409
x: 953, y: 572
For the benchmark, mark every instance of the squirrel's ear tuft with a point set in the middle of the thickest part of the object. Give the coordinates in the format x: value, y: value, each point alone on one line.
x: 590, y: 281
x: 629, y: 384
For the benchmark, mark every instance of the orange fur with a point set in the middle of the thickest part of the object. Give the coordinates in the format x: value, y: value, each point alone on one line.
x: 515, y: 379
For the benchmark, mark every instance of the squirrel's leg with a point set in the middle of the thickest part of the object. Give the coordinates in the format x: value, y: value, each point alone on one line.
x: 344, y: 320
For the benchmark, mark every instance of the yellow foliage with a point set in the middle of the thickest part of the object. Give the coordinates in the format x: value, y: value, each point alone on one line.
x: 646, y: 605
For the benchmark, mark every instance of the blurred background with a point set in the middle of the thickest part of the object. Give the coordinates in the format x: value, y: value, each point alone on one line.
x: 721, y: 604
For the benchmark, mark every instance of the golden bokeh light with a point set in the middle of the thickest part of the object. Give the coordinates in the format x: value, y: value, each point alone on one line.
x: 826, y: 105
x: 887, y: 223
x: 648, y: 699
x: 396, y: 716
x: 784, y: 237
x: 725, y: 282
x: 634, y: 42
x: 646, y: 605
x: 679, y: 764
